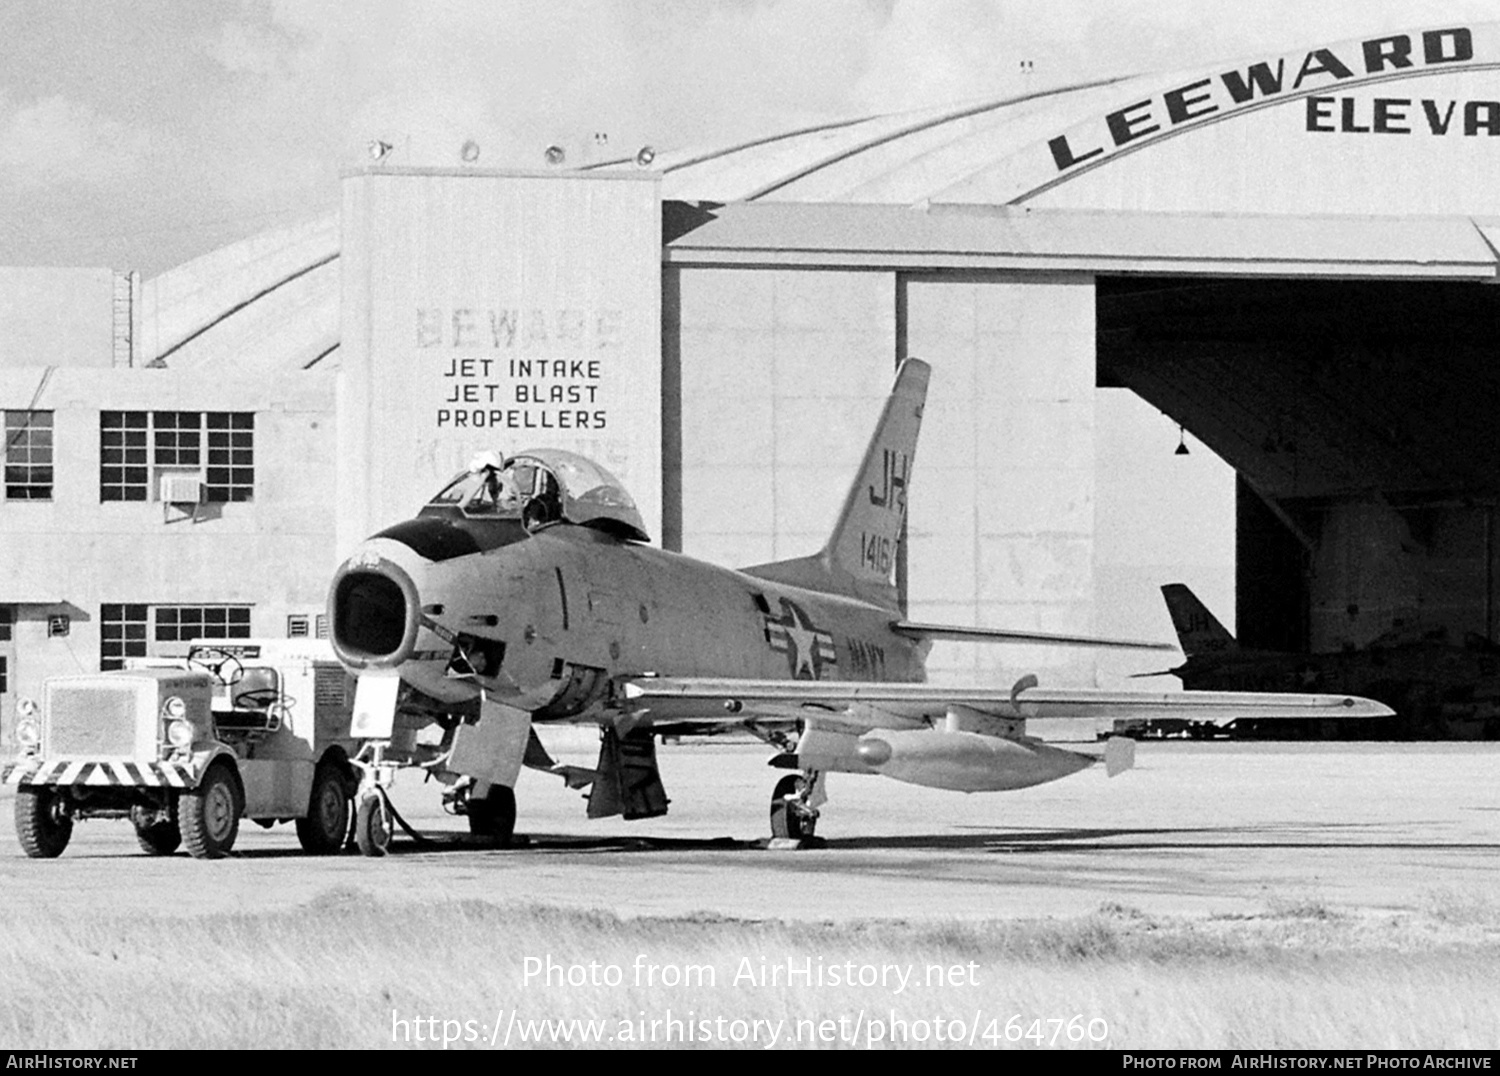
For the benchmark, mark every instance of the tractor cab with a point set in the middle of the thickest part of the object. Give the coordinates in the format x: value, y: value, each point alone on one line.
x: 246, y: 698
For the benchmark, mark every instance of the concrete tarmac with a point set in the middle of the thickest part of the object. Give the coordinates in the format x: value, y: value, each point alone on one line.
x: 1197, y: 829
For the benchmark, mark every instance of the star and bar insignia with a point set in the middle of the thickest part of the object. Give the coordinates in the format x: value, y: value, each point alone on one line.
x: 808, y: 649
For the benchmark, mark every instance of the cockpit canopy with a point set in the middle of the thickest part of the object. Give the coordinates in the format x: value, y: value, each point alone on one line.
x: 542, y: 486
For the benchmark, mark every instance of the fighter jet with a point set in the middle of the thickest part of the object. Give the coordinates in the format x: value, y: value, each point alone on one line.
x: 525, y: 593
x: 1438, y: 690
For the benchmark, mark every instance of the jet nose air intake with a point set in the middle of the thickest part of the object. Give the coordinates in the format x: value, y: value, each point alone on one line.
x: 374, y: 613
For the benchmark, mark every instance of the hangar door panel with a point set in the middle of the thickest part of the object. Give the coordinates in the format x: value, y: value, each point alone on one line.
x: 782, y: 376
x: 1001, y: 519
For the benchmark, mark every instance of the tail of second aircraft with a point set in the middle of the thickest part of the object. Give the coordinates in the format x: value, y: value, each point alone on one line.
x: 1198, y: 630
x: 859, y: 558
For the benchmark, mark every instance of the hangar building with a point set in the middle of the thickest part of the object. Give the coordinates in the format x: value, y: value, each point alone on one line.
x: 1288, y: 254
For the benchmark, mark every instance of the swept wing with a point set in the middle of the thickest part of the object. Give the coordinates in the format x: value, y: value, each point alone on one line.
x: 894, y: 705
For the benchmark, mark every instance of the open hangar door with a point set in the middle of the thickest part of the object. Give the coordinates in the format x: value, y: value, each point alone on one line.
x: 1361, y: 418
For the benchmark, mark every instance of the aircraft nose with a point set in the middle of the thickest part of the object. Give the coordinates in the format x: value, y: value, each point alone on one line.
x: 374, y: 613
x: 433, y: 539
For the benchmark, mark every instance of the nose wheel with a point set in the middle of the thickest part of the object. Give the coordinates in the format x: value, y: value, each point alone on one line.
x: 372, y: 824
x: 372, y: 804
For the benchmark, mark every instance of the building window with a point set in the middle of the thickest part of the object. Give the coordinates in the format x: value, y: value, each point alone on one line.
x: 122, y: 634
x: 176, y: 437
x: 4, y: 677
x: 124, y: 464
x: 231, y: 456
x: 127, y: 630
x: 7, y: 620
x: 28, y: 455
x: 133, y: 443
x: 184, y: 623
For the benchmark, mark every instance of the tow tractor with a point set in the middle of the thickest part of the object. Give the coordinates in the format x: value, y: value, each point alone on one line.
x: 186, y: 747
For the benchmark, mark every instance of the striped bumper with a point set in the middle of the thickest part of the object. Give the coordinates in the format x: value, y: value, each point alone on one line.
x: 98, y: 774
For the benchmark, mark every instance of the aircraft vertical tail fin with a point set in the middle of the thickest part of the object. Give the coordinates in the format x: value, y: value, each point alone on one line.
x: 864, y: 539
x: 1198, y: 630
x: 859, y: 557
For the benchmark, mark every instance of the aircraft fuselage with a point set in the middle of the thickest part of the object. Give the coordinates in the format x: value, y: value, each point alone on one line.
x: 546, y: 622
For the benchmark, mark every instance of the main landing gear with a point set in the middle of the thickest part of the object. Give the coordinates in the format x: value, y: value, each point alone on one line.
x: 492, y: 812
x: 794, y: 806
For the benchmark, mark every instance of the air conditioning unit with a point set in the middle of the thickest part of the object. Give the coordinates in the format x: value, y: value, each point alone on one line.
x: 181, y: 489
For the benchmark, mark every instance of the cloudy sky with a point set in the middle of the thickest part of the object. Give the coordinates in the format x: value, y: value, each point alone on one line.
x: 136, y: 135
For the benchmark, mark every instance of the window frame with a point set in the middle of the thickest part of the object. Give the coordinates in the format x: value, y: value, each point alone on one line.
x: 134, y: 629
x: 137, y: 447
x: 175, y: 622
x: 130, y: 644
x: 130, y: 474
x: 35, y: 476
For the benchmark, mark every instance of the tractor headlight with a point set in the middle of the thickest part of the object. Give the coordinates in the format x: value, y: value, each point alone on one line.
x: 26, y: 708
x: 174, y: 709
x: 180, y: 733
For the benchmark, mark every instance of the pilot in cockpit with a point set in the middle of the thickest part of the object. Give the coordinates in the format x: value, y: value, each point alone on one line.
x: 545, y: 504
x: 491, y: 495
x: 525, y: 488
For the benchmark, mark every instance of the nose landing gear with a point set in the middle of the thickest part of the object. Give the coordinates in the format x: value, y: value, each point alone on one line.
x: 372, y: 823
x: 372, y: 804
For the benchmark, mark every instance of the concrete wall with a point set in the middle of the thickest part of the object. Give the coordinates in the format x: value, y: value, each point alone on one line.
x: 56, y: 317
x: 782, y: 374
x: 453, y: 278
x: 73, y: 553
x: 1001, y: 520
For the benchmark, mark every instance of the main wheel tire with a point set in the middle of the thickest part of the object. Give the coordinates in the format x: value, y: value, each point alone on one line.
x: 209, y: 816
x: 157, y: 837
x: 786, y: 821
x: 41, y: 825
x: 322, y: 831
x: 371, y: 831
x: 494, y: 816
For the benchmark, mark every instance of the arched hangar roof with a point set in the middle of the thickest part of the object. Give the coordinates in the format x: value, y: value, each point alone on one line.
x: 1232, y: 138
x: 270, y: 302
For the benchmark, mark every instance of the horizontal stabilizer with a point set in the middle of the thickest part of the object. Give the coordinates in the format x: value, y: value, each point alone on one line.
x: 915, y: 630
x: 537, y: 758
x: 575, y: 776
